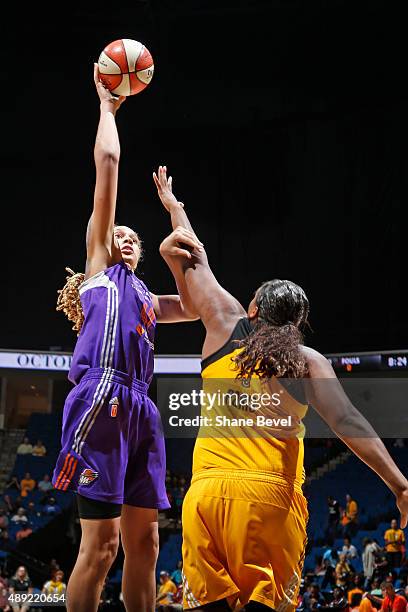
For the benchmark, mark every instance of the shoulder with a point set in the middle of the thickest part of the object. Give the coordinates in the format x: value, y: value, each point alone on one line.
x: 318, y: 364
x: 311, y: 355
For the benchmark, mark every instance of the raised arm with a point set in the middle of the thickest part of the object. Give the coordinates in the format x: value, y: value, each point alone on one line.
x: 99, y: 238
x: 326, y: 395
x: 218, y: 309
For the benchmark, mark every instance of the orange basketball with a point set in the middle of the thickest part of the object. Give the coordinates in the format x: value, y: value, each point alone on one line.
x: 125, y: 67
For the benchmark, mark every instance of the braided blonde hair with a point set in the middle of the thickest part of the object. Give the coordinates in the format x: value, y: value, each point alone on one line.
x: 69, y: 300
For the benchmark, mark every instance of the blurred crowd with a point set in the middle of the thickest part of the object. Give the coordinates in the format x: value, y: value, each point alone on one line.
x: 20, y: 513
x: 344, y: 519
x: 176, y: 489
x: 26, y: 448
x: 346, y: 578
x: 20, y: 583
x: 170, y: 590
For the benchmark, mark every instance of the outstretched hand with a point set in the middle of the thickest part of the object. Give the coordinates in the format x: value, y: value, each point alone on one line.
x: 105, y: 96
x: 165, y: 188
x: 176, y: 242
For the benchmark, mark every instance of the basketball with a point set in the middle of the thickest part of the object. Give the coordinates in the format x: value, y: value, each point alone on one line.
x: 125, y: 67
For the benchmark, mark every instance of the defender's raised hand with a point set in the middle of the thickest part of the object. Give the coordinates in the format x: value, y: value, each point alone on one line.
x: 165, y: 189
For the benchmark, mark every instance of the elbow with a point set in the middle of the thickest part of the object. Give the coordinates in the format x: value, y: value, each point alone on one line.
x: 353, y: 426
x: 191, y: 316
x: 107, y: 157
x: 189, y: 313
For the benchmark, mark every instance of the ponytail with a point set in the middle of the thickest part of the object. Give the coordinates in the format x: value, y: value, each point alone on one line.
x: 272, y: 350
x: 69, y: 300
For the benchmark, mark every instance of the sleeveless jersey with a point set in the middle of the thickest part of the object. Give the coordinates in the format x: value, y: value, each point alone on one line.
x: 274, y: 451
x: 118, y: 328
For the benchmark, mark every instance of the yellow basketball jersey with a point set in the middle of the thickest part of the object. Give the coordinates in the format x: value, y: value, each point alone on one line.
x: 253, y: 426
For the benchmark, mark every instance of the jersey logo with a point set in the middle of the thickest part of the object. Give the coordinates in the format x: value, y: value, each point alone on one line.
x: 87, y: 476
x: 143, y: 334
x: 114, y: 405
x: 147, y: 315
x: 140, y: 330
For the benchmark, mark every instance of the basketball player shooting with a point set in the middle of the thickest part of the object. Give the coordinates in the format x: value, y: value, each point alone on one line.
x: 112, y: 452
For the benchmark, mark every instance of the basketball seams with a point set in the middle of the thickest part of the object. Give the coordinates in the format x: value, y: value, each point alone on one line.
x: 125, y: 54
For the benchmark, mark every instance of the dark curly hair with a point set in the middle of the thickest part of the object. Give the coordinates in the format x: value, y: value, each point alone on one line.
x: 272, y: 348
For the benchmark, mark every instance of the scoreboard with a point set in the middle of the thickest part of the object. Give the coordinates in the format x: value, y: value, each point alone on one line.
x: 387, y: 361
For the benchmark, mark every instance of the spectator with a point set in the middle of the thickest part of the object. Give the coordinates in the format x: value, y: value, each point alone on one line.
x: 27, y: 485
x: 394, y: 542
x: 370, y: 548
x: 166, y: 590
x: 24, y: 532
x: 13, y: 483
x: 176, y: 576
x: 32, y: 511
x: 45, y: 484
x: 349, y: 550
x: 177, y: 604
x: 312, y: 598
x: 3, y: 536
x: 355, y: 602
x: 391, y: 602
x: 366, y: 605
x: 54, y: 568
x: 55, y: 585
x: 357, y: 590
x: 39, y: 449
x: 320, y: 568
x: 3, y: 582
x: 339, y: 601
x: 52, y: 507
x: 4, y: 605
x: 334, y: 517
x: 12, y: 505
x: 4, y: 522
x: 20, y: 583
x: 330, y: 560
x: 20, y: 518
x: 380, y: 564
x: 342, y: 571
x: 350, y: 518
x: 376, y: 587
x: 25, y: 448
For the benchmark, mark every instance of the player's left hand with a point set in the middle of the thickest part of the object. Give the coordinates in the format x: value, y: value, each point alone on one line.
x: 165, y: 188
x: 402, y: 504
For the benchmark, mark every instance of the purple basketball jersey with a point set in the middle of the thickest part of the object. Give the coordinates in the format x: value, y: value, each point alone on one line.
x: 112, y: 446
x: 118, y: 330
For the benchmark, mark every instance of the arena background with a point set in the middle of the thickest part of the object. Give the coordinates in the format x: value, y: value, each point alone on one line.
x: 284, y: 125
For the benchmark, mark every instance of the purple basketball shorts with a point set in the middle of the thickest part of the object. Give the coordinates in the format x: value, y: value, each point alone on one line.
x: 112, y: 442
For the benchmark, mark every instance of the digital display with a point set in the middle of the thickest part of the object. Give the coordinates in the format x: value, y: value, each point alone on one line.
x: 368, y: 363
x: 354, y: 363
x: 395, y: 361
